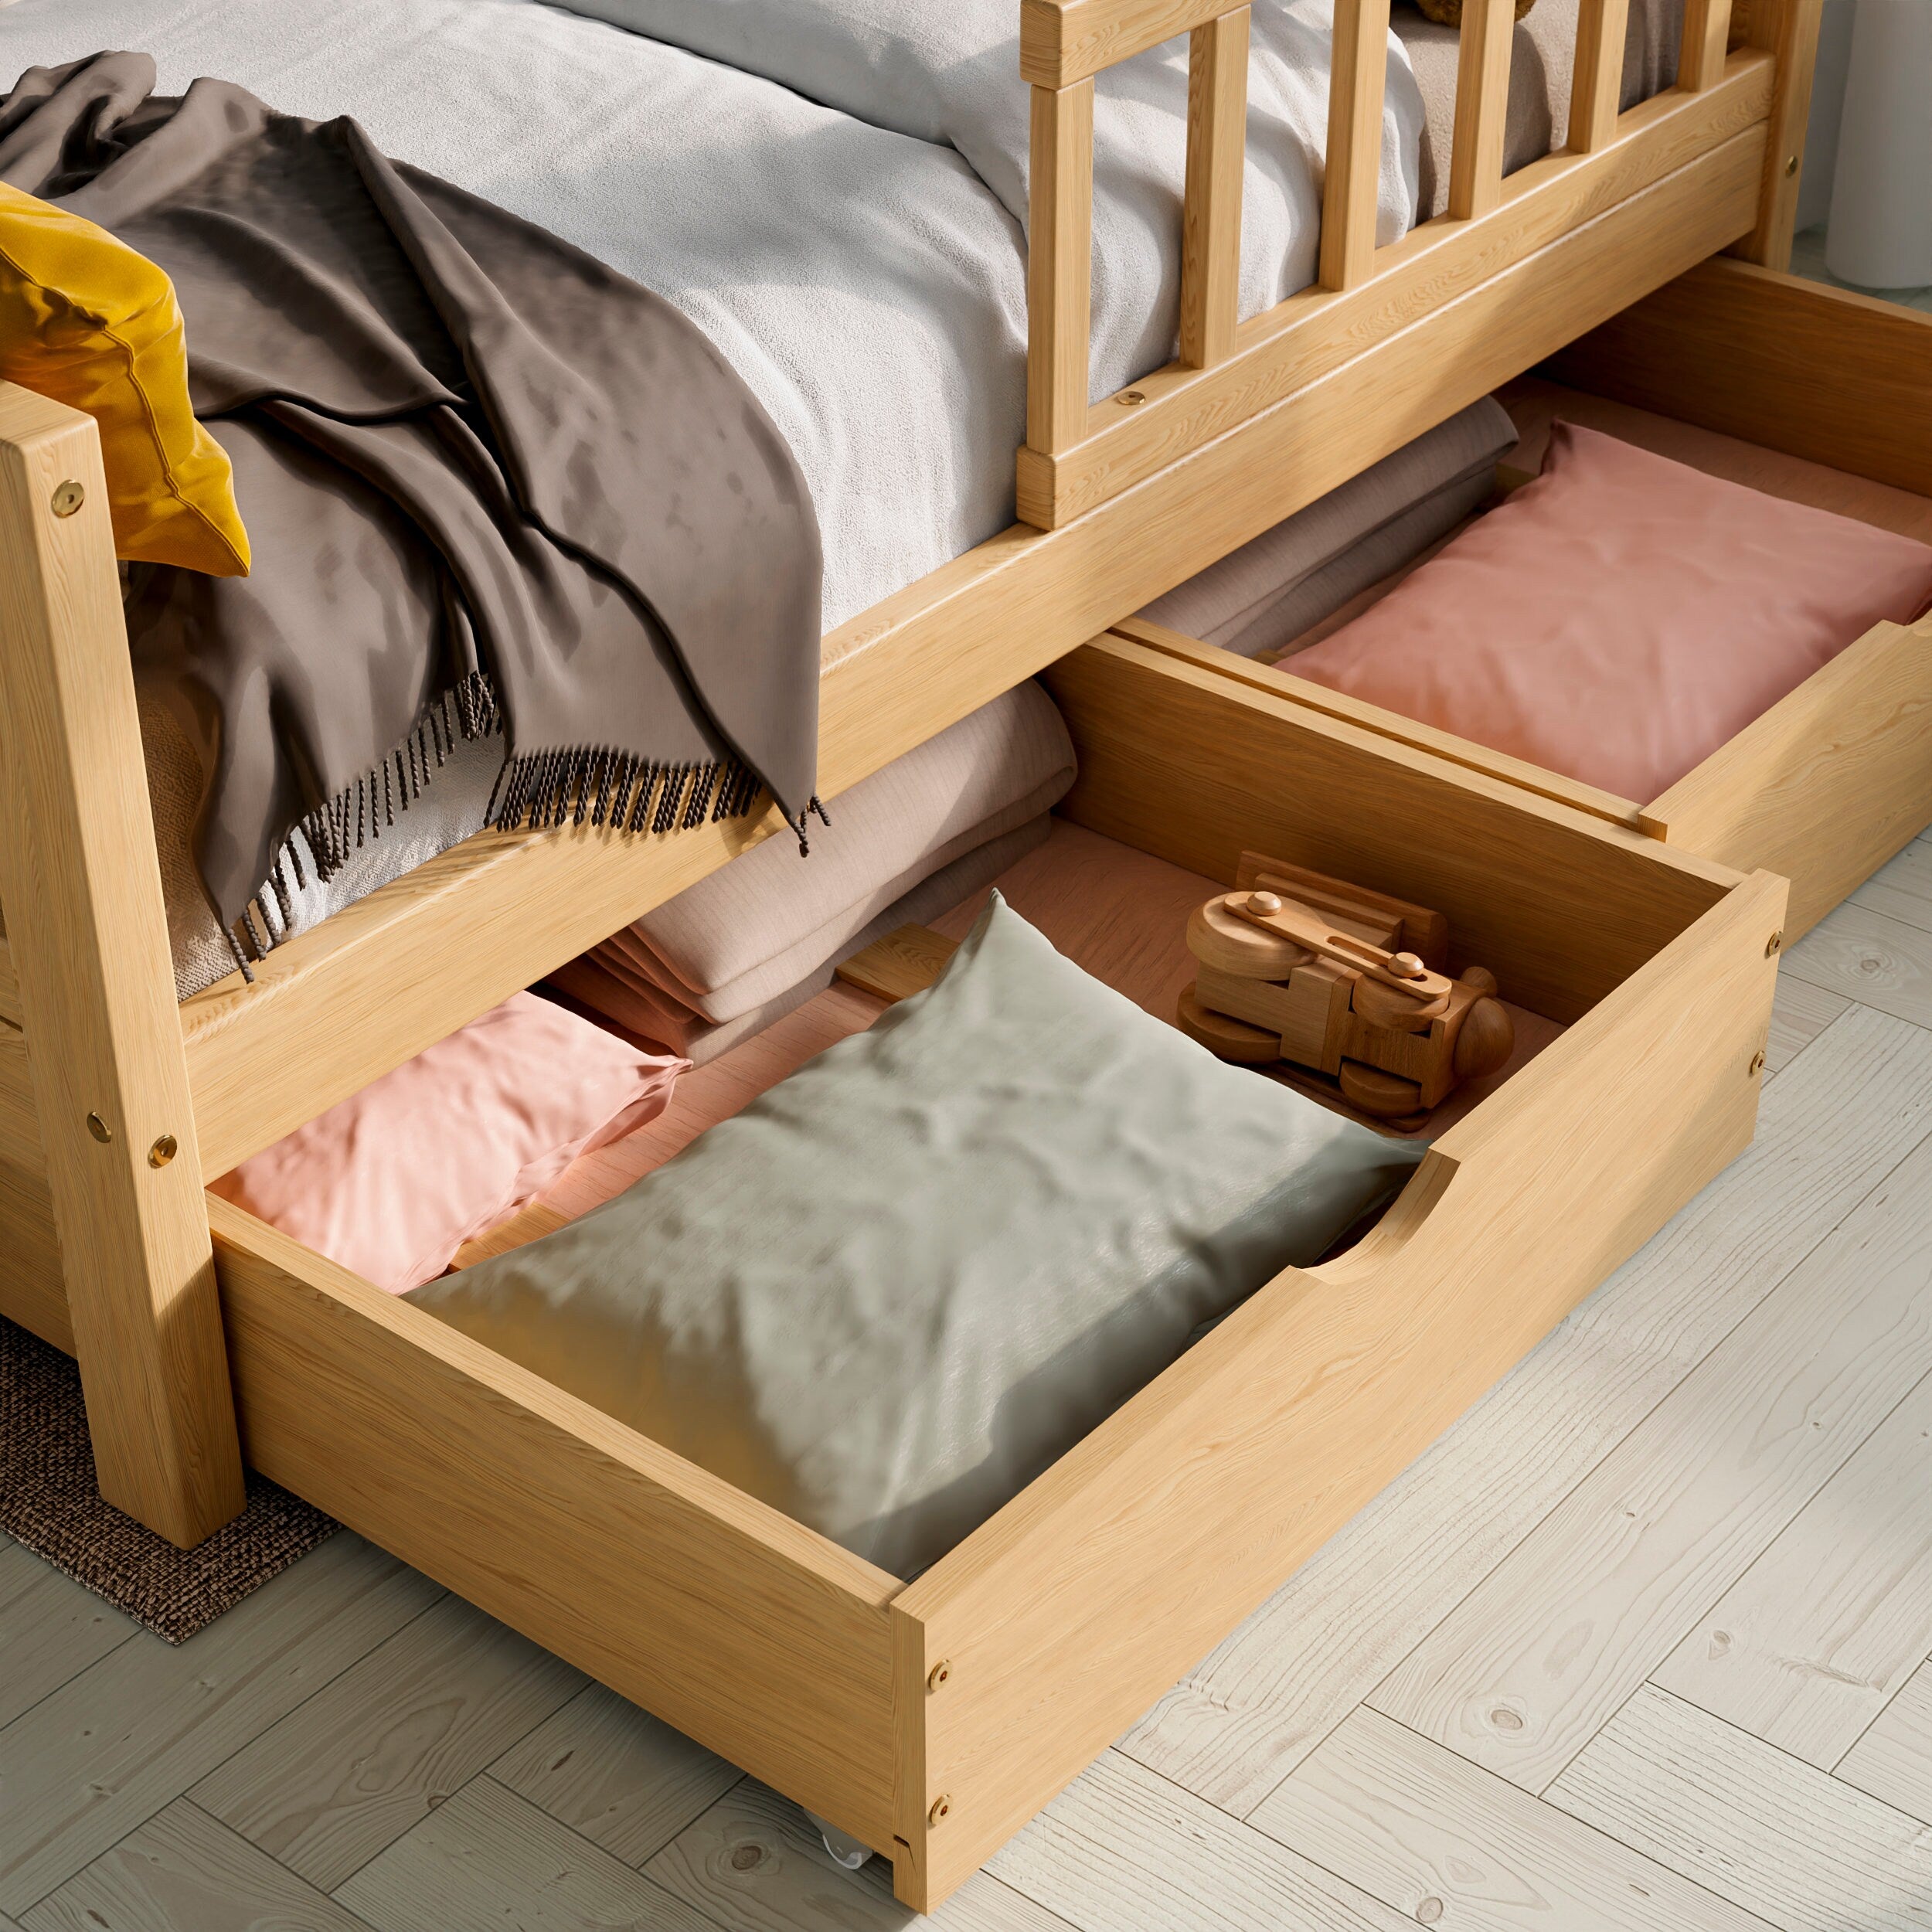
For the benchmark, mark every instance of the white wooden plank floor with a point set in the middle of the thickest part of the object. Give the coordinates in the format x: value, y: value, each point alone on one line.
x: 1645, y: 1641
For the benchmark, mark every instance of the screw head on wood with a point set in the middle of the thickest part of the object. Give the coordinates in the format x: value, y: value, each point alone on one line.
x: 1791, y: 166
x: 942, y: 1805
x: 100, y: 1129
x: 1757, y: 1062
x: 939, y: 1672
x: 68, y: 497
x: 163, y: 1151
x: 1130, y: 398
x: 1772, y: 944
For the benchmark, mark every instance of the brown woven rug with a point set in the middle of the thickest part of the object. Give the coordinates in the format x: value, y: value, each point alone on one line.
x: 49, y: 1503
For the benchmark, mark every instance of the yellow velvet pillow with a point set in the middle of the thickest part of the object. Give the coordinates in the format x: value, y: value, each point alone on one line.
x: 86, y: 321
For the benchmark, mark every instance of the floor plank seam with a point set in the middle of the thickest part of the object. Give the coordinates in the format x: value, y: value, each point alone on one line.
x: 1897, y: 1691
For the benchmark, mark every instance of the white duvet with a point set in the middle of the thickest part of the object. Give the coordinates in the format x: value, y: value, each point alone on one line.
x: 859, y: 254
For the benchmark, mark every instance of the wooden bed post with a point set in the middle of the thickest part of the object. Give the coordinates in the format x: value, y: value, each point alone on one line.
x: 1787, y: 29
x: 81, y: 887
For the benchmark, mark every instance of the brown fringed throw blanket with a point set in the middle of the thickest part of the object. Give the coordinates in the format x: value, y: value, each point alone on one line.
x: 491, y: 485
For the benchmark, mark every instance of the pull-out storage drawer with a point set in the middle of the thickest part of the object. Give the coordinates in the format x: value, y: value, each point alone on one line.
x: 932, y: 1718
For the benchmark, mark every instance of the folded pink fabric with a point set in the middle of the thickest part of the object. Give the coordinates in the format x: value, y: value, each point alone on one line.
x: 392, y: 1181
x: 1623, y: 615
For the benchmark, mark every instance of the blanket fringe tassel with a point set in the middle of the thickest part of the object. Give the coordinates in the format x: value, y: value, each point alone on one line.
x: 599, y: 787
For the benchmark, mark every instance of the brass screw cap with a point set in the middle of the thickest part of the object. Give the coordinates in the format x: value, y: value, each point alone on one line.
x: 942, y: 1805
x: 68, y: 497
x: 163, y: 1151
x: 100, y: 1129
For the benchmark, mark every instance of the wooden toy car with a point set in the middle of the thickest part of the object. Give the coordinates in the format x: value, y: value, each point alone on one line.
x: 1346, y: 983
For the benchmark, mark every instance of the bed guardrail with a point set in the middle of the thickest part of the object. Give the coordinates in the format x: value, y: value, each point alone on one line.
x: 1078, y: 454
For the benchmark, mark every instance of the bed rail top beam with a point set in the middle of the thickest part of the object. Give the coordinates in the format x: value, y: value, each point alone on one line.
x: 88, y: 942
x: 1063, y: 41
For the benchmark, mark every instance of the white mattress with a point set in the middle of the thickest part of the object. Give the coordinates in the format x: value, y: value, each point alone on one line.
x: 868, y: 284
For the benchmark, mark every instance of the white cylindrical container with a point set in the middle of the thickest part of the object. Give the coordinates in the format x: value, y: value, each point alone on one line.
x: 1880, y: 233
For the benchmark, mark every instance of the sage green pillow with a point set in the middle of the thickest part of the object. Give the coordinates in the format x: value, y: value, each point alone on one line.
x: 903, y: 1282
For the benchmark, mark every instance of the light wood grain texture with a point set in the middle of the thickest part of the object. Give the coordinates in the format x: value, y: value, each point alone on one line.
x: 89, y: 939
x: 614, y: 1774
x: 1871, y: 958
x: 905, y: 961
x: 1063, y: 40
x: 1701, y: 54
x: 373, y: 1753
x: 1813, y: 1641
x: 751, y: 1634
x: 182, y: 1872
x: 1893, y: 1760
x: 1124, y: 1851
x: 379, y: 981
x: 1795, y: 365
x: 1167, y: 766
x: 1482, y: 108
x: 1314, y: 332
x: 9, y: 985
x: 1843, y: 1114
x: 90, y: 1762
x: 1598, y: 76
x: 1060, y: 265
x: 50, y: 1631
x: 752, y: 1861
x: 1799, y: 1848
x: 1236, y: 1470
x: 1799, y: 1014
x: 1528, y: 1666
x: 1787, y: 29
x: 1217, y: 122
x: 1902, y: 890
x: 1358, y: 65
x: 488, y: 1859
x: 32, y: 1288
x: 1826, y: 785
x: 1441, y: 1841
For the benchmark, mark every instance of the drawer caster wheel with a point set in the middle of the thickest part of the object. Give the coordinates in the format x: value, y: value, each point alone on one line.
x: 844, y: 1851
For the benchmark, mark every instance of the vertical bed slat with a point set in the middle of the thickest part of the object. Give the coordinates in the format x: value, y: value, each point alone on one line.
x: 1700, y: 59
x: 1597, y: 92
x: 1217, y: 112
x: 1356, y: 73
x: 1482, y: 107
x: 1060, y: 265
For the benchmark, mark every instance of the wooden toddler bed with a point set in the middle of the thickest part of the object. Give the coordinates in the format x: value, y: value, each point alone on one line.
x: 931, y: 1720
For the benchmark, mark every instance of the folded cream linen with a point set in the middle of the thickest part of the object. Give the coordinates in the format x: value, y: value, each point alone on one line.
x: 753, y: 929
x: 1259, y: 597
x: 614, y: 992
x: 900, y: 1283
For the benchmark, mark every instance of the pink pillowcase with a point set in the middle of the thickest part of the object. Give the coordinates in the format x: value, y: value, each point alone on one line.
x: 392, y: 1181
x: 1623, y: 615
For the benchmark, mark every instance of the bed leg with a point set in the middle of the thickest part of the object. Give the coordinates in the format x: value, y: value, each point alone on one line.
x: 1787, y: 29
x: 81, y: 888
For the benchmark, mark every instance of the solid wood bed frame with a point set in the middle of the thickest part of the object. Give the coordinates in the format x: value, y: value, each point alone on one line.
x: 1080, y: 1602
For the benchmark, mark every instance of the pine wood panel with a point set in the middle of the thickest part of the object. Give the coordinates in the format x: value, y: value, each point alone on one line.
x: 32, y: 1291
x: 182, y: 1872
x: 1826, y: 785
x: 1431, y: 1835
x: 50, y: 1630
x: 89, y: 941
x: 1801, y: 1849
x: 1842, y: 379
x: 1597, y: 78
x: 374, y: 1753
x: 614, y: 1774
x: 1701, y: 54
x: 751, y: 1633
x: 1357, y: 72
x: 1528, y: 1666
x: 1847, y: 1112
x: 1057, y: 1627
x: 131, y: 1732
x: 1060, y: 265
x: 1811, y: 1643
x: 752, y: 1861
x: 1871, y: 958
x: 487, y: 1858
x: 1314, y: 332
x: 9, y: 985
x: 1482, y: 108
x: 1892, y: 1761
x: 1124, y: 1851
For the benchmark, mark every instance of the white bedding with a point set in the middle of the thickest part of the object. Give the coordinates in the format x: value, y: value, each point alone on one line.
x: 867, y: 279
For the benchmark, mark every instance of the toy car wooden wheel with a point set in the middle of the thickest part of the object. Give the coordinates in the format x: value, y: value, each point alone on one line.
x: 1228, y: 1040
